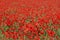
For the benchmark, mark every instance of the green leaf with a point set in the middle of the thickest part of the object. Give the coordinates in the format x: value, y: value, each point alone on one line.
x: 5, y: 28
x: 0, y: 31
x: 27, y: 20
x: 45, y: 33
x: 10, y: 38
x: 58, y: 32
x: 25, y: 37
x: 1, y: 35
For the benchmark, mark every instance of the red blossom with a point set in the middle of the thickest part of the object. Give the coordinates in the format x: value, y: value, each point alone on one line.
x: 51, y: 33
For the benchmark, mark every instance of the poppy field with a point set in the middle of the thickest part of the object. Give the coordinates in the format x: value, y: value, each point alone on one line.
x: 29, y: 19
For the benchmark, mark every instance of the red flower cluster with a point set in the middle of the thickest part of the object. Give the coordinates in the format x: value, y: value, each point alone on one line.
x: 29, y: 19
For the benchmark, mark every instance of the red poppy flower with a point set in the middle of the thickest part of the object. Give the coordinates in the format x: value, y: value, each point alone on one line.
x: 51, y: 33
